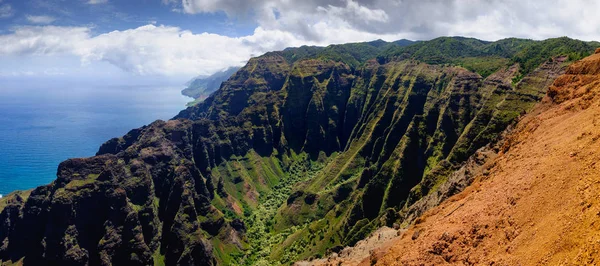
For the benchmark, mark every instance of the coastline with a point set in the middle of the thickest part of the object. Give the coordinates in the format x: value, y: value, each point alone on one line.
x: 70, y: 127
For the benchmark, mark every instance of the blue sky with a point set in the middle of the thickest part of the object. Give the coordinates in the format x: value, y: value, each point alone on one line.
x: 105, y: 16
x: 179, y: 39
x: 101, y: 17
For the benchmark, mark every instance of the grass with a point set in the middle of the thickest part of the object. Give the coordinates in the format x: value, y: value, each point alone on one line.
x: 452, y: 121
x: 484, y: 66
x: 79, y: 183
x: 12, y: 263
x: 159, y: 259
x: 4, y: 200
x: 262, y: 238
x: 226, y: 254
x: 194, y: 102
x: 486, y: 57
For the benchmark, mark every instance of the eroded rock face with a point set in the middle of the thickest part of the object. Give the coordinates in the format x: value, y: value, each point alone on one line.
x: 580, y: 81
x: 531, y: 89
x: 537, y: 204
x: 182, y: 192
x: 117, y: 209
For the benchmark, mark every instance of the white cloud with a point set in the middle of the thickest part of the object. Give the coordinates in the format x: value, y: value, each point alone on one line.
x: 43, y: 40
x: 146, y: 50
x: 96, y: 2
x: 423, y: 19
x: 6, y: 11
x: 171, y: 51
x: 40, y: 19
x: 165, y: 50
x: 356, y: 11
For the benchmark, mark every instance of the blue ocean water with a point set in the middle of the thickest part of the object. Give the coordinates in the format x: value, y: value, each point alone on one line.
x: 43, y: 125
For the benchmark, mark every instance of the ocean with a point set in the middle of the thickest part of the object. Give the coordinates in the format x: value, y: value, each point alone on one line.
x: 43, y: 125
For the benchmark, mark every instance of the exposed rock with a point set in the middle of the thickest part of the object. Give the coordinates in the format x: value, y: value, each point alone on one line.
x: 514, y: 215
x: 201, y: 87
x: 511, y: 213
x: 106, y: 209
x: 352, y: 143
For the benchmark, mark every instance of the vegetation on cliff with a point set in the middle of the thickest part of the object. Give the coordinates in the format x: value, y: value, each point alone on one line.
x: 300, y: 152
x: 535, y: 202
x: 200, y: 88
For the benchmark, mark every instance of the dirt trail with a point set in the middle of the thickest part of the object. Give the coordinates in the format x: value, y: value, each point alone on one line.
x: 539, y: 204
x: 363, y: 249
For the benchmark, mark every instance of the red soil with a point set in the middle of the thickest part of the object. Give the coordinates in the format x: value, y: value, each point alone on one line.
x: 540, y: 202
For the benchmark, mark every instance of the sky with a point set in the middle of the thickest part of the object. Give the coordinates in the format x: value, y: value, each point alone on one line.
x: 180, y: 39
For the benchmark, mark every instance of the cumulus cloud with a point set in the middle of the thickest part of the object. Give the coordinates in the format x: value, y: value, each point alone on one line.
x: 42, y: 40
x: 146, y: 50
x: 167, y: 50
x: 40, y: 19
x: 423, y: 19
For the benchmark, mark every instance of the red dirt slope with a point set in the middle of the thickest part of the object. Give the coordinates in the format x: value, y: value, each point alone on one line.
x: 540, y: 202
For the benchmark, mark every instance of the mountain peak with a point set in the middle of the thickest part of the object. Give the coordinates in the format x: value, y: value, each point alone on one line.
x: 299, y: 153
x: 511, y: 213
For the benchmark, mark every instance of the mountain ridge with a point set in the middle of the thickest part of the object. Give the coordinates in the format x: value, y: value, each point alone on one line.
x: 532, y: 205
x: 299, y: 153
x: 201, y: 87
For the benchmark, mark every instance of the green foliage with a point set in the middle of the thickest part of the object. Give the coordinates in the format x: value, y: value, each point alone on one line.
x: 534, y: 54
x: 79, y: 183
x: 443, y: 50
x: 159, y: 259
x: 201, y: 87
x: 484, y: 66
x: 227, y: 253
x: 360, y: 231
x: 487, y: 57
x: 449, y: 112
x: 399, y: 128
x: 4, y: 201
x: 352, y: 54
x: 261, y: 235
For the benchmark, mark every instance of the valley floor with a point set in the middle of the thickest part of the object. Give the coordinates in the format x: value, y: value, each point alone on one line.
x: 538, y: 205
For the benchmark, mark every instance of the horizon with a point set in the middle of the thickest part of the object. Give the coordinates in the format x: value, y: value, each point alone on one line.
x: 125, y: 78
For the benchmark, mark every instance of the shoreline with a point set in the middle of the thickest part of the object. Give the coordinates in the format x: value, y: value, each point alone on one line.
x: 19, y: 173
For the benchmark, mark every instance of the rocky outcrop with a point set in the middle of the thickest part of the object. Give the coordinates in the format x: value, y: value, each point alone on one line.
x: 580, y: 81
x: 130, y: 208
x: 535, y: 204
x: 315, y: 151
x: 201, y: 87
x: 530, y: 90
x: 414, y: 156
x: 501, y: 206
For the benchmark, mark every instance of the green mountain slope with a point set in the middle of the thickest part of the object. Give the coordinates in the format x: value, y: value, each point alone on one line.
x: 487, y: 57
x: 300, y: 152
x: 201, y: 87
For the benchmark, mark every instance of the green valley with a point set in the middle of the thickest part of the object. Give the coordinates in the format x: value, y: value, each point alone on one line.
x: 300, y: 153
